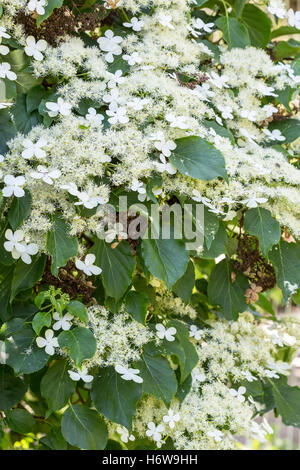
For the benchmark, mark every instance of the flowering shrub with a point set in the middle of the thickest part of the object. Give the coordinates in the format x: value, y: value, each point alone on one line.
x: 117, y: 329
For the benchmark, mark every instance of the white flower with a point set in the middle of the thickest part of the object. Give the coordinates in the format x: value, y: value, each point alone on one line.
x: 125, y: 436
x: 276, y: 7
x: 3, y: 33
x: 198, y: 198
x: 88, y: 200
x: 93, y: 117
x: 199, y: 24
x: 137, y: 104
x: 49, y: 342
x: 171, y: 418
x: 114, y: 97
x: 13, y: 186
x: 37, y: 5
x: 279, y: 367
x: 117, y: 114
x: 218, y: 80
x: 5, y: 71
x: 164, y: 166
x: 267, y: 427
x: 34, y: 149
x: 226, y: 111
x: 3, y: 354
x: 135, y: 24
x: 132, y: 59
x: 45, y: 174
x: 271, y: 374
x: 274, y: 135
x: 81, y: 375
x: 129, y: 374
x: 265, y: 90
x: 269, y: 109
x: 71, y: 188
x: 195, y: 332
x: 162, y: 332
x: 165, y: 147
x: 294, y: 18
x: 34, y: 48
x: 137, y: 186
x: 4, y: 50
x: 165, y: 20
x: 110, y: 44
x: 253, y: 201
x: 248, y: 376
x: 155, y: 431
x: 115, y: 231
x: 197, y: 377
x: 87, y: 266
x: 18, y: 247
x: 216, y: 435
x: 115, y: 79
x: 5, y: 105
x: 61, y: 107
x: 239, y: 394
x: 258, y: 432
x: 203, y: 92
x: 177, y: 121
x: 62, y: 322
x: 248, y: 114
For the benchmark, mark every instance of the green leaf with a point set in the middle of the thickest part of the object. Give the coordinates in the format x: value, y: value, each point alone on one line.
x: 284, y: 31
x: 159, y: 379
x: 184, y: 286
x: 40, y: 320
x: 198, y: 159
x: 20, y: 421
x: 261, y: 224
x: 60, y: 244
x: 285, y: 258
x: 80, y: 343
x: 235, y: 34
x: 23, y: 353
x: 19, y: 210
x: 285, y: 49
x: 8, y: 130
x: 166, y: 259
x: 12, y: 389
x: 27, y: 275
x: 54, y: 440
x: 287, y: 402
x: 229, y: 294
x: 57, y: 386
x: 258, y: 24
x: 220, y: 130
x: 115, y: 397
x: 84, y: 428
x: 6, y: 277
x: 136, y: 303
x: 51, y: 5
x: 117, y: 267
x: 24, y: 121
x: 289, y: 128
x: 218, y: 244
x: 77, y: 309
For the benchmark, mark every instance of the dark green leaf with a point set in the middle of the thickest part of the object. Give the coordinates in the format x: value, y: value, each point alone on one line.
x: 12, y: 389
x: 136, y: 303
x: 60, y: 244
x: 261, y: 224
x: 80, y: 343
x: 57, y: 386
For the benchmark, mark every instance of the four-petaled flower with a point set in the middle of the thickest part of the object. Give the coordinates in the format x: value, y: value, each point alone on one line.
x: 164, y: 166
x: 139, y: 187
x: 115, y: 79
x: 62, y: 322
x: 155, y: 431
x: 81, y: 375
x: 275, y: 134
x: 87, y: 266
x: 110, y: 44
x: 195, y: 332
x: 34, y: 49
x: 49, y: 342
x: 61, y: 107
x: 165, y: 146
x: 135, y: 24
x: 171, y: 418
x: 294, y: 18
x: 218, y: 80
x: 162, y: 332
x: 13, y: 186
x: 125, y: 436
x: 37, y: 5
x: 87, y: 200
x: 3, y: 33
x: 165, y: 20
x: 34, y: 149
x: 45, y: 174
x: 177, y: 121
x: 276, y: 7
x: 137, y: 103
x: 18, y: 247
x: 129, y: 374
x: 93, y: 117
x: 5, y: 71
x: 239, y: 394
x: 253, y: 201
x: 133, y: 58
x: 248, y: 376
x: 216, y: 435
x: 117, y: 114
x: 199, y: 24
